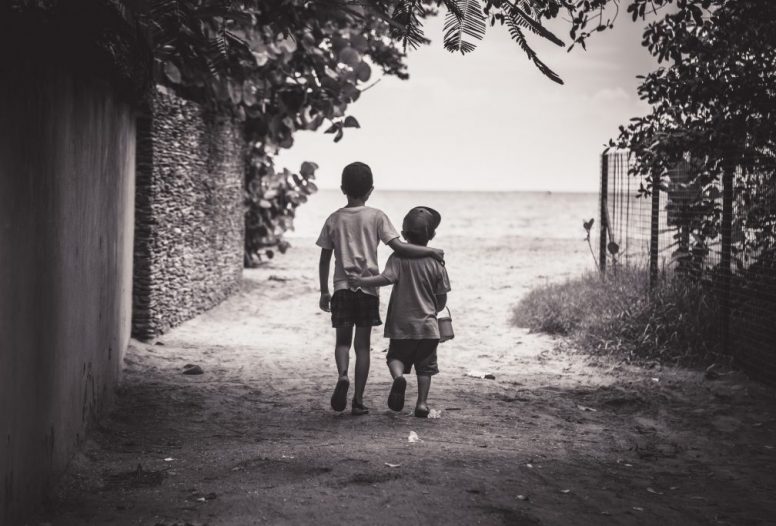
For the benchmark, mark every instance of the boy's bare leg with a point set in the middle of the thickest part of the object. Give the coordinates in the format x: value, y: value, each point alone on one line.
x: 396, y: 368
x: 342, y: 350
x: 424, y: 384
x: 362, y: 344
x: 339, y: 399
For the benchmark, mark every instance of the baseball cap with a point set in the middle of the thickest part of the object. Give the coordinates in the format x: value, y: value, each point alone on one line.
x: 422, y: 219
x: 428, y: 214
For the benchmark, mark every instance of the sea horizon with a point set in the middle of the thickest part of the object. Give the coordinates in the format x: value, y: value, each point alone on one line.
x: 476, y: 215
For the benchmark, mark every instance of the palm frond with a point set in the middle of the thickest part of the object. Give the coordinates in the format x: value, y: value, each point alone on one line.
x: 527, y: 6
x: 452, y: 7
x: 526, y: 20
x: 408, y: 27
x: 379, y: 10
x: 467, y: 21
x: 516, y: 32
x: 218, y: 53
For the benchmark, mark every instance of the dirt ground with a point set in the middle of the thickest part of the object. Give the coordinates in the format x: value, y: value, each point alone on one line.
x: 555, y: 439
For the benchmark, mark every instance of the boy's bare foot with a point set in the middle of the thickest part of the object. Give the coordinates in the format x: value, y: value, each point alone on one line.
x: 358, y: 408
x: 339, y: 400
x: 396, y: 398
x: 421, y: 411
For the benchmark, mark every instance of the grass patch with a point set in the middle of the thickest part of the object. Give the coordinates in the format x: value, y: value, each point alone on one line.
x: 678, y: 322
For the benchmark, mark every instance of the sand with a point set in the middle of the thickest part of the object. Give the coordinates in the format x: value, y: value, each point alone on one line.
x: 556, y: 438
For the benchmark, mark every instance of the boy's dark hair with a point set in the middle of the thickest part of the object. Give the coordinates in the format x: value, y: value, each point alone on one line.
x: 357, y: 179
x: 416, y: 237
x: 420, y: 224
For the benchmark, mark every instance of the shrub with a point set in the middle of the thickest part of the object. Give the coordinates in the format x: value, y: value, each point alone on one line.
x: 677, y: 322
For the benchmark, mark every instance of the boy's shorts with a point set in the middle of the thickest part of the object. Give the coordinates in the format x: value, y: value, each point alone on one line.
x: 420, y: 353
x: 349, y: 308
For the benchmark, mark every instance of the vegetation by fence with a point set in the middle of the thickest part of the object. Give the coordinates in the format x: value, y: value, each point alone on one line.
x: 717, y: 232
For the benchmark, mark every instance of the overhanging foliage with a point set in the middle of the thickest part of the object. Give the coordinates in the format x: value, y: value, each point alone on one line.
x: 713, y: 103
x: 289, y: 65
x: 280, y: 67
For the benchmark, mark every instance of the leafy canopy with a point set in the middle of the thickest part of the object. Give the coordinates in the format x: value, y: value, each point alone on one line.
x: 713, y: 104
x: 283, y: 66
x: 279, y: 66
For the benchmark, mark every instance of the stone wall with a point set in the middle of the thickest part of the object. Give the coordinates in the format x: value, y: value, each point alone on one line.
x: 189, y: 229
x: 67, y: 163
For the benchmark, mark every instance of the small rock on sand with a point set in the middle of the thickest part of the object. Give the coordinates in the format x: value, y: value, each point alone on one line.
x: 192, y: 369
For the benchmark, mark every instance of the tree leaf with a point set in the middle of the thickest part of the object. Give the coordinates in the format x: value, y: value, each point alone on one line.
x: 517, y: 35
x: 172, y: 72
x: 467, y: 21
x: 308, y: 169
x: 351, y: 122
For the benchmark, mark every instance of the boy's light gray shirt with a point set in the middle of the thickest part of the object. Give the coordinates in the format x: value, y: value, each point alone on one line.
x: 354, y: 233
x: 412, y: 308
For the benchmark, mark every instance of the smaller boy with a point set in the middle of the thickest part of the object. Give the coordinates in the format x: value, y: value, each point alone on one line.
x: 352, y: 234
x: 420, y: 288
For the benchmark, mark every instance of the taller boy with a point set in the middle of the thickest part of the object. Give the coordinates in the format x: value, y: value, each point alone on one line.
x: 352, y: 235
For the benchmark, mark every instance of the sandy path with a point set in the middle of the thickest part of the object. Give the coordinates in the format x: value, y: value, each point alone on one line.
x: 253, y: 441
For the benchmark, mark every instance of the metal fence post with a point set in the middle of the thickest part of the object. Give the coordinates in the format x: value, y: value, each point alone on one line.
x: 654, y: 231
x: 604, y: 216
x: 725, y: 256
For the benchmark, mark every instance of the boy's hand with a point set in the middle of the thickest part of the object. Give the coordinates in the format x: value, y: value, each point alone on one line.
x: 354, y: 282
x: 438, y: 254
x: 324, y: 302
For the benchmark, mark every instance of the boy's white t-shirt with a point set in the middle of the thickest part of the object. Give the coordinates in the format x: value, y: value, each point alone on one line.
x: 354, y: 233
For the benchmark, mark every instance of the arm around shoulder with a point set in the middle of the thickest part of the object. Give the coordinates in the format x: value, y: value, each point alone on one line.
x: 408, y: 250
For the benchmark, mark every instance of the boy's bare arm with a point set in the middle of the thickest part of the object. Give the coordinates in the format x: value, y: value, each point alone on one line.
x: 323, y: 275
x: 372, y: 281
x: 441, y: 301
x: 408, y: 250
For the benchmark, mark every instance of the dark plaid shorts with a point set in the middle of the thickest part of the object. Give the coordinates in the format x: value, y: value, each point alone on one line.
x: 357, y: 308
x: 420, y: 353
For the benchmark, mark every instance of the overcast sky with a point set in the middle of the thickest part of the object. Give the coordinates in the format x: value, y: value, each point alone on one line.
x: 489, y: 120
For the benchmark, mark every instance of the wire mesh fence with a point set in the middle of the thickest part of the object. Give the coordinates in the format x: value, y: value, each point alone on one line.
x: 716, y: 231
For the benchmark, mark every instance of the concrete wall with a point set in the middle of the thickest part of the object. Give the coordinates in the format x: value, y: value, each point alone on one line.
x: 189, y: 232
x: 67, y: 160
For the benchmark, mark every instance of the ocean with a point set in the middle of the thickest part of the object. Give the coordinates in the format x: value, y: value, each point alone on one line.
x: 473, y: 215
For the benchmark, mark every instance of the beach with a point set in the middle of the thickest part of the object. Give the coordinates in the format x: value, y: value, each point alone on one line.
x: 551, y: 436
